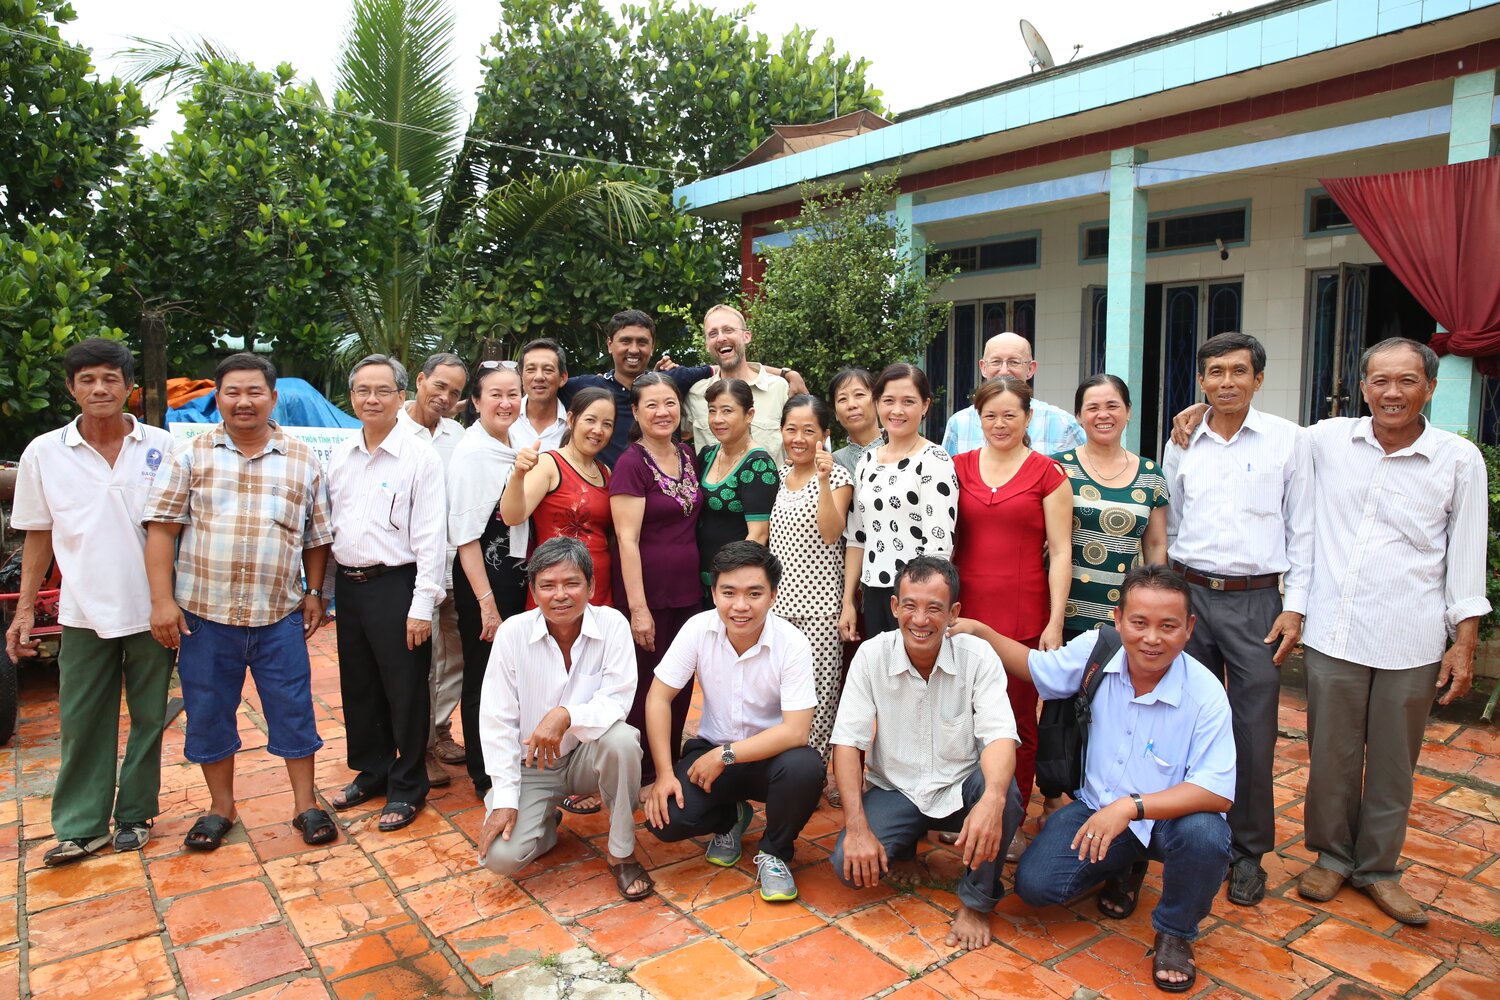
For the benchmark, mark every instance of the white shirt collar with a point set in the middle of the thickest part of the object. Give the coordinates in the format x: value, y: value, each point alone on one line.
x: 1253, y: 422
x: 589, y: 627
x: 1425, y: 444
x: 73, y: 437
x: 764, y: 641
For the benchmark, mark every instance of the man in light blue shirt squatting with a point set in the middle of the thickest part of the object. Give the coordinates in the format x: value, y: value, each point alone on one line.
x: 1052, y: 429
x: 1158, y: 776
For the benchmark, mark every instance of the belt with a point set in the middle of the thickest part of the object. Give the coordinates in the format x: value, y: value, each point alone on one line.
x: 1227, y: 583
x: 363, y: 574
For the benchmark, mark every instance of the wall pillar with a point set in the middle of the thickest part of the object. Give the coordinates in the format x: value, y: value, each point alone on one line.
x: 1455, y: 406
x: 916, y: 244
x: 1125, y: 320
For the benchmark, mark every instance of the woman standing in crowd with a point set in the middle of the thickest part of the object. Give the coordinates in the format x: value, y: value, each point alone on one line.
x: 489, y: 583
x: 566, y: 492
x: 655, y: 499
x: 1014, y: 506
x: 1119, y: 505
x: 853, y: 393
x: 905, y: 501
x: 807, y: 535
x: 739, y: 479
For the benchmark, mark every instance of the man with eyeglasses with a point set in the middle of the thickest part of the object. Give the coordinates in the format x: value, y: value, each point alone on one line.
x: 389, y: 542
x: 725, y: 336
x: 1052, y: 429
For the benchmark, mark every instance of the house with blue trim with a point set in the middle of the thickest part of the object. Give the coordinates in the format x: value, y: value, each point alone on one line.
x: 1120, y: 209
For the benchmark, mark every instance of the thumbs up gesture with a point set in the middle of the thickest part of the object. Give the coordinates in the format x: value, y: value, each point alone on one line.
x: 822, y: 462
x: 527, y: 457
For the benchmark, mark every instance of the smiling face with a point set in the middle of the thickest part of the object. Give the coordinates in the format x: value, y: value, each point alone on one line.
x: 901, y: 409
x: 1007, y: 354
x: 1004, y: 421
x: 375, y: 397
x: 541, y: 375
x: 631, y: 348
x: 729, y: 423
x: 1103, y: 415
x: 1154, y: 626
x: 801, y: 435
x: 743, y: 597
x: 438, y: 392
x: 1230, y: 381
x: 1396, y: 388
x: 854, y: 407
x: 726, y: 338
x: 592, y: 429
x: 245, y: 401
x: 563, y: 593
x: 657, y: 412
x: 100, y: 391
x: 499, y: 400
x: 923, y: 611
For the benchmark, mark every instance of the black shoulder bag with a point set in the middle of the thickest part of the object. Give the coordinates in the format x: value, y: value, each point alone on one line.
x: 1062, y: 735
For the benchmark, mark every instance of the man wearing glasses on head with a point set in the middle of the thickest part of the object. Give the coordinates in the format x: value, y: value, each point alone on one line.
x: 1052, y: 429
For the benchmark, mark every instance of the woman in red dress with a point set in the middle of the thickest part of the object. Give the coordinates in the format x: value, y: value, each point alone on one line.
x: 1014, y: 507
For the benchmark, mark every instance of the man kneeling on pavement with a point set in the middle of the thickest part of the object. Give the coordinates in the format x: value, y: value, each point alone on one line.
x: 552, y: 719
x: 1158, y: 776
x: 930, y: 711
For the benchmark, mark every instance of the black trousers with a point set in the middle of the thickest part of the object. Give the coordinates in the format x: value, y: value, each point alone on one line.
x: 509, y: 585
x: 789, y: 784
x: 384, y: 684
x: 876, y: 605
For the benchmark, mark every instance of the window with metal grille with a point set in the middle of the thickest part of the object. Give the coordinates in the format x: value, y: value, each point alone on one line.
x: 996, y: 255
x: 1198, y: 230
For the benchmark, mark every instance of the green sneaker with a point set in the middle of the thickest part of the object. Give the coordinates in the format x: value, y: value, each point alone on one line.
x: 724, y: 849
x: 776, y: 882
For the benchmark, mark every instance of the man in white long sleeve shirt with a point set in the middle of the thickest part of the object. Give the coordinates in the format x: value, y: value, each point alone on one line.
x: 561, y: 678
x: 390, y: 519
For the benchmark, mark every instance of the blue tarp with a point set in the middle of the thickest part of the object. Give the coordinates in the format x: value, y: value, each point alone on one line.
x: 298, y: 404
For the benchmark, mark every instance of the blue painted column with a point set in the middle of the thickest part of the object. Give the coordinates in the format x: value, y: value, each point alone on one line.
x: 1125, y: 319
x: 1455, y: 406
x: 916, y: 245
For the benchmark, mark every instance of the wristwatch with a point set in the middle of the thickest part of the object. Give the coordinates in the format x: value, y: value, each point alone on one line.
x: 727, y: 754
x: 314, y: 592
x: 1140, y: 805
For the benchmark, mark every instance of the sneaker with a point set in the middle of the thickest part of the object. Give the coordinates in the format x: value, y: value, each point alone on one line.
x: 132, y: 836
x: 68, y: 851
x: 776, y: 882
x: 724, y: 849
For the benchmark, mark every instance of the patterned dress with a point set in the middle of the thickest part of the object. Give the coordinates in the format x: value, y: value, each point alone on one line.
x: 745, y: 495
x: 812, y: 588
x: 1108, y: 523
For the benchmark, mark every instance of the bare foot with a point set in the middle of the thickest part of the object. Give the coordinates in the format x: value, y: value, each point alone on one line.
x: 646, y: 792
x: 971, y: 929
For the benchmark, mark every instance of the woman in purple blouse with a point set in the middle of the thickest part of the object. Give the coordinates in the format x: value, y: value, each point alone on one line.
x: 655, y: 498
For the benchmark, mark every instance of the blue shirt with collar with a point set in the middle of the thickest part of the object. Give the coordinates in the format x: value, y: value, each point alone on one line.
x: 1178, y: 731
x: 684, y: 376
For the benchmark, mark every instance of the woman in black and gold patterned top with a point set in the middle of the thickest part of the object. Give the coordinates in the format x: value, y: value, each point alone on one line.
x: 1119, y: 505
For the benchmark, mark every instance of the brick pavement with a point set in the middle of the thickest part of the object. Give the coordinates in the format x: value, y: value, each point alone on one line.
x: 409, y: 914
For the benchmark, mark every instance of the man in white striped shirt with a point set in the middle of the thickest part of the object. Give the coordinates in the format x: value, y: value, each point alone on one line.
x: 1401, y: 518
x: 1239, y: 523
x: 390, y: 537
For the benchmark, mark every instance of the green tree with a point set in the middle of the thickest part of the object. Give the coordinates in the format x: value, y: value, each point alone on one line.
x: 878, y: 311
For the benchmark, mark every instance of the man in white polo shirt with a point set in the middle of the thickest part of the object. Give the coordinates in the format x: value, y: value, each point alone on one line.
x: 80, y: 493
x: 756, y: 676
x: 543, y: 419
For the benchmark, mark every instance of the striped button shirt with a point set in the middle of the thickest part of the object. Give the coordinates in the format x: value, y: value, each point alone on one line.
x: 1052, y: 429
x: 1401, y: 544
x: 246, y: 521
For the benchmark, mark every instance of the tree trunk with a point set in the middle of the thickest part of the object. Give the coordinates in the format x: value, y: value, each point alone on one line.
x: 491, y: 349
x: 154, y: 367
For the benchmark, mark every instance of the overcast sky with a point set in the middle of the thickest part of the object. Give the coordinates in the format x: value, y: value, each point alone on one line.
x: 920, y: 52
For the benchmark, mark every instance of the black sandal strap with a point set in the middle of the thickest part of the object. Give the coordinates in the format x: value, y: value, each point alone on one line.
x: 1173, y: 954
x: 208, y: 832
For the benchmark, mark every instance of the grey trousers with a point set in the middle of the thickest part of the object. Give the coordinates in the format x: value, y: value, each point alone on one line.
x: 1364, y: 727
x: 445, y: 681
x: 610, y: 765
x: 1229, y: 640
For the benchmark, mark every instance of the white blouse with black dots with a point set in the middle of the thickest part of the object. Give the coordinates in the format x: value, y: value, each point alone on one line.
x: 902, y: 510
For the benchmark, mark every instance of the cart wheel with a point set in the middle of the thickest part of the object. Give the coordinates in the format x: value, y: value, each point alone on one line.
x: 7, y: 697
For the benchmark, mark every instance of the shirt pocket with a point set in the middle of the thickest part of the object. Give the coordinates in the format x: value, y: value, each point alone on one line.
x: 954, y: 740
x: 287, y: 506
x: 1420, y: 523
x: 394, y: 507
x: 1259, y: 494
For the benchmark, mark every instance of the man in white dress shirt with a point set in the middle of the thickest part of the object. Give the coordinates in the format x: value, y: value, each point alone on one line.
x: 552, y: 723
x: 389, y: 514
x: 1052, y: 429
x: 1401, y: 518
x: 1239, y: 523
x: 543, y: 420
x: 440, y: 385
x: 725, y: 339
x: 930, y: 712
x: 755, y: 674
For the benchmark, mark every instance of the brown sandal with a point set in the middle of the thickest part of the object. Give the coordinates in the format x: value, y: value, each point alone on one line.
x: 628, y: 874
x: 1173, y: 954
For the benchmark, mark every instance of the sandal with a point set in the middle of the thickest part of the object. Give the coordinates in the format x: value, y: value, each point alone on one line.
x: 1122, y: 893
x: 208, y: 833
x: 570, y: 804
x: 316, y: 826
x: 352, y: 795
x: 1173, y: 954
x: 406, y: 810
x: 628, y: 874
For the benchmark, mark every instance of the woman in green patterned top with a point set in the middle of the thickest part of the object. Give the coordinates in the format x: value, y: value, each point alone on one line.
x: 1119, y: 505
x: 739, y: 479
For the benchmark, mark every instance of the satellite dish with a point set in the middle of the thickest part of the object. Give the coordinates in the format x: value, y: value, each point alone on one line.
x: 1041, y: 56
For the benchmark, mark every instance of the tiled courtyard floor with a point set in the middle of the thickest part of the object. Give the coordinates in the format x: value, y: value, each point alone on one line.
x: 410, y: 914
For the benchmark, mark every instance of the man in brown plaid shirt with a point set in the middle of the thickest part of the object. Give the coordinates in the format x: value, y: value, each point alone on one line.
x: 251, y: 508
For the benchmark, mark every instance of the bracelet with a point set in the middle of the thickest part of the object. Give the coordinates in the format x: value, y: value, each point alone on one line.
x: 482, y: 596
x: 1140, y: 805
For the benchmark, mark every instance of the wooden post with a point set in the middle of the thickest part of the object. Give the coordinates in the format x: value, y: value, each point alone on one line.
x: 491, y: 349
x: 154, y: 367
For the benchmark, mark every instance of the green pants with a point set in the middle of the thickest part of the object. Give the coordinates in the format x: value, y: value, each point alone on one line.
x: 89, y: 673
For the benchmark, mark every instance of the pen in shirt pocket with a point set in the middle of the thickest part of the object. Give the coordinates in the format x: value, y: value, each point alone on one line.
x: 1150, y: 751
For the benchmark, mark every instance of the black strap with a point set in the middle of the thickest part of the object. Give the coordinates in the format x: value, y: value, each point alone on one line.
x: 1105, y: 647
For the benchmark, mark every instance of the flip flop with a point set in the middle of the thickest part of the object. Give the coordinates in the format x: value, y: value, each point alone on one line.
x: 406, y: 810
x: 316, y: 826
x: 208, y: 833
x: 1122, y: 893
x: 570, y: 804
x: 1173, y: 954
x: 628, y: 874
x: 352, y: 795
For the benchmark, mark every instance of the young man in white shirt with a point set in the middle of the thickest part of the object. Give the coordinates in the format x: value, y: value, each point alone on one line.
x: 560, y: 681
x: 929, y: 712
x: 80, y: 493
x: 543, y: 419
x: 755, y: 673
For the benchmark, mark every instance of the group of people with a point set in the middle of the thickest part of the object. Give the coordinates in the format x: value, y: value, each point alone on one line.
x: 564, y: 570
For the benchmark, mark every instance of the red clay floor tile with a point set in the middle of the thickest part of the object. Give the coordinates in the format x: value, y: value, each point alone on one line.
x: 219, y: 967
x: 705, y: 969
x: 830, y: 965
x: 629, y: 933
x: 1365, y: 956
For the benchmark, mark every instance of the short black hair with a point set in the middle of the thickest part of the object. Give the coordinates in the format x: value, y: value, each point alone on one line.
x: 1158, y: 576
x: 742, y: 555
x: 244, y: 361
x: 1094, y: 382
x: 629, y: 317
x: 1428, y: 355
x: 556, y: 551
x: 441, y: 358
x: 1227, y: 343
x: 820, y: 411
x: 545, y: 344
x: 924, y: 568
x: 736, y: 389
x: 861, y: 375
x: 99, y: 351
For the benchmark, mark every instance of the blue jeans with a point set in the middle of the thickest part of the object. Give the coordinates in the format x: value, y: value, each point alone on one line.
x: 1193, y: 851
x: 898, y: 824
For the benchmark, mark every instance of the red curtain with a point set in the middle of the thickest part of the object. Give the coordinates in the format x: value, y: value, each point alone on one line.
x: 1438, y: 230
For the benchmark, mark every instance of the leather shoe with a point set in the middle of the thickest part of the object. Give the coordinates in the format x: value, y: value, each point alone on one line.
x: 448, y: 751
x: 1247, y: 882
x: 437, y: 774
x: 1018, y: 845
x: 1319, y: 884
x: 1396, y: 902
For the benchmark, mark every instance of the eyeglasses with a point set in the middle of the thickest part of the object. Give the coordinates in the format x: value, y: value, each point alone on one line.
x: 485, y: 366
x: 1014, y: 364
x: 382, y: 393
x: 722, y: 329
